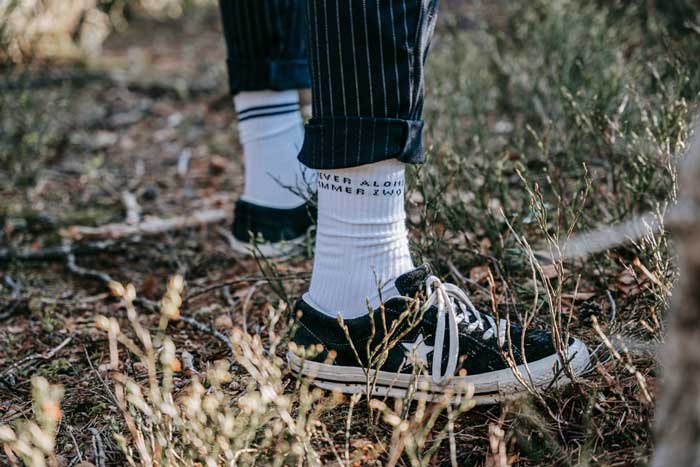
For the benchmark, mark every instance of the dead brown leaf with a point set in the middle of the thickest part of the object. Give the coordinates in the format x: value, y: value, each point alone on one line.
x: 479, y: 273
x: 218, y: 165
x: 484, y: 246
x: 579, y: 295
x: 223, y: 322
x: 551, y: 271
x: 628, y: 282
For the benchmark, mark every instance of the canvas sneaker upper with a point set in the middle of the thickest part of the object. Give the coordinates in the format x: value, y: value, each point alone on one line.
x: 271, y: 224
x: 432, y: 326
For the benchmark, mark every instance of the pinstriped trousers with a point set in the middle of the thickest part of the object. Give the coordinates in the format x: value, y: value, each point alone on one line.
x: 267, y: 44
x: 364, y: 60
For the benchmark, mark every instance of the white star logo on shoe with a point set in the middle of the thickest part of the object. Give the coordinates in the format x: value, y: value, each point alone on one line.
x: 418, y: 350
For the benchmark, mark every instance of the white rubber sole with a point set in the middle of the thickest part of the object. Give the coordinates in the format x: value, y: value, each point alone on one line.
x: 268, y: 250
x: 488, y: 388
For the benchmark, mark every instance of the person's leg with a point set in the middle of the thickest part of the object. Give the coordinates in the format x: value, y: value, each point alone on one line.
x: 367, y: 76
x: 367, y: 61
x: 267, y: 64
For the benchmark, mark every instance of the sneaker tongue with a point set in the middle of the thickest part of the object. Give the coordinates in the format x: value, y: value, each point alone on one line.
x: 409, y: 284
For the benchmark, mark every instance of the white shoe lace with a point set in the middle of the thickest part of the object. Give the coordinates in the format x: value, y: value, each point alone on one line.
x: 448, y: 297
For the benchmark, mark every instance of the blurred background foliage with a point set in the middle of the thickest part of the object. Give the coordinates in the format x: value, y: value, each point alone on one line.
x: 32, y: 28
x: 39, y: 39
x: 64, y: 28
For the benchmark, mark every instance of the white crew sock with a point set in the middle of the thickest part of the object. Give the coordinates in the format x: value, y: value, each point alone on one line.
x: 361, y: 238
x: 271, y: 130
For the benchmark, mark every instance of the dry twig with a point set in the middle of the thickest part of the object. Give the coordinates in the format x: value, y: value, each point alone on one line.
x: 99, y: 448
x: 208, y: 330
x: 15, y: 299
x: 28, y: 361
x: 151, y: 226
x: 59, y: 253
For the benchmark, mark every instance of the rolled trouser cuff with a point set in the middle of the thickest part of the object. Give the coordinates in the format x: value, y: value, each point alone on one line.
x: 277, y: 75
x: 342, y: 142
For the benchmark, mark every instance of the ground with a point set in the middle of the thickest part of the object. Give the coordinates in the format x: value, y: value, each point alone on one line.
x: 543, y: 120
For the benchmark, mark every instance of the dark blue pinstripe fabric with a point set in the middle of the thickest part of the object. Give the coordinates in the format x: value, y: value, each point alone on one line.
x: 266, y: 43
x: 367, y: 59
x: 366, y: 62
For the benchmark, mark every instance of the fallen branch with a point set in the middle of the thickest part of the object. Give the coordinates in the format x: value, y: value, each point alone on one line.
x: 679, y: 217
x: 106, y: 279
x: 59, y: 253
x: 27, y: 362
x: 84, y: 272
x: 68, y: 252
x: 146, y: 303
x: 210, y: 329
x: 98, y: 447
x: 151, y: 226
x: 608, y: 237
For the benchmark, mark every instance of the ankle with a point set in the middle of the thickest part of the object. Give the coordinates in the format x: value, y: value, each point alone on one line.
x: 362, y: 240
x: 271, y: 131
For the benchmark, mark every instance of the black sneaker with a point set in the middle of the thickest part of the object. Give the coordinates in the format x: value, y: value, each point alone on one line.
x: 431, y: 342
x: 276, y: 232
